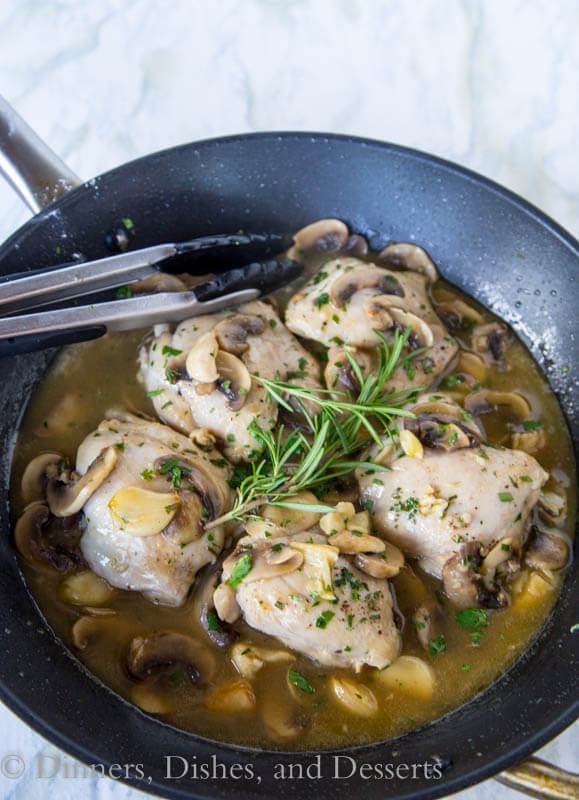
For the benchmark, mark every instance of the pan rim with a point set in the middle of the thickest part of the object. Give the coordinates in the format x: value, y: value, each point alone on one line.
x: 557, y: 724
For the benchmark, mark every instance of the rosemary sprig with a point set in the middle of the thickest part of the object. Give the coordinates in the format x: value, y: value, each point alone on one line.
x: 291, y: 461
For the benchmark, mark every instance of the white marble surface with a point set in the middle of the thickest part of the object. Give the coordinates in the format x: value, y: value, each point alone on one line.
x: 492, y: 85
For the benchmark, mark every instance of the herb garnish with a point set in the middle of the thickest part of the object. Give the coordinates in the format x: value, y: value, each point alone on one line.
x: 292, y: 461
x: 298, y: 680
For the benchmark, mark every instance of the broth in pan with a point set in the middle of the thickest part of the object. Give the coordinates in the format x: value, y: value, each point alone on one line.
x: 304, y: 524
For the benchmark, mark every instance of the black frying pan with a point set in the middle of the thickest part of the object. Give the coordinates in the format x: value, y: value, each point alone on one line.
x: 488, y: 242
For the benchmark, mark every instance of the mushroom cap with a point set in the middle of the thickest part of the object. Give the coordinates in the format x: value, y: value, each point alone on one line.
x: 68, y: 498
x: 323, y: 236
x: 485, y: 400
x: 40, y: 545
x: 386, y: 564
x: 410, y: 256
x: 491, y: 340
x: 162, y: 648
x: 232, y: 332
x: 234, y: 379
x: 547, y: 550
x: 214, y: 495
x: 467, y: 588
x: 200, y: 360
x: 34, y: 477
x: 364, y: 276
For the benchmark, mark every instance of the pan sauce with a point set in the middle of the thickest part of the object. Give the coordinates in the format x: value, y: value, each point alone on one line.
x: 86, y: 380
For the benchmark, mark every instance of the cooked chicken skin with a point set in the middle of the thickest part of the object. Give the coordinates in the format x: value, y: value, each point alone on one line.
x: 429, y: 507
x: 265, y: 348
x: 349, y: 300
x: 357, y: 630
x: 162, y: 566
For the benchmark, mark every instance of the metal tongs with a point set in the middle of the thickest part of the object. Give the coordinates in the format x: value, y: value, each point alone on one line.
x: 26, y: 332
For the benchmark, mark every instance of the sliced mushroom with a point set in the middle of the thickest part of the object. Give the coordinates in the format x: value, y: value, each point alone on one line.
x: 149, y: 653
x: 465, y: 587
x: 410, y: 256
x: 472, y: 364
x: 386, y: 564
x: 503, y: 557
x: 203, y: 438
x: 270, y: 561
x: 213, y: 495
x: 547, y: 550
x: 39, y: 543
x: 356, y: 245
x: 140, y: 512
x: 426, y: 620
x: 457, y: 315
x: 441, y: 435
x: 354, y: 697
x: 485, y: 400
x: 232, y: 332
x: 366, y: 277
x: 87, y: 631
x: 159, y: 282
x: 552, y: 507
x: 377, y: 309
x: 234, y: 379
x: 205, y: 606
x: 323, y: 236
x: 411, y: 675
x: 421, y: 335
x: 34, y: 477
x: 491, y: 339
x: 201, y: 359
x: 339, y: 373
x: 68, y: 498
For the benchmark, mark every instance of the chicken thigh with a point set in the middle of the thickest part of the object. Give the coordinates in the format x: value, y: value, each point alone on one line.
x: 303, y: 591
x: 451, y: 501
x: 351, y: 303
x: 144, y: 523
x: 201, y: 375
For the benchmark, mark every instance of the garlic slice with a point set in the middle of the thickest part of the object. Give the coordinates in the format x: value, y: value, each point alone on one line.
x: 141, y: 512
x: 318, y: 562
x: 411, y: 675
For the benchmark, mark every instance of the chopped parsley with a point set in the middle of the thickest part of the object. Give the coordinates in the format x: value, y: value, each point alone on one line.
x: 532, y: 425
x: 298, y: 680
x: 437, y: 646
x: 505, y: 497
x: 324, y: 618
x: 472, y: 618
x: 213, y: 623
x: 170, y: 351
x: 241, y: 569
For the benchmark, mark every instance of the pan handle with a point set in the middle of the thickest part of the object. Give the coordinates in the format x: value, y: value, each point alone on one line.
x: 537, y: 778
x: 28, y: 164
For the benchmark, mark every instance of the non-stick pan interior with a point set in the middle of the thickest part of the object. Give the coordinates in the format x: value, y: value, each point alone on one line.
x: 486, y: 241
